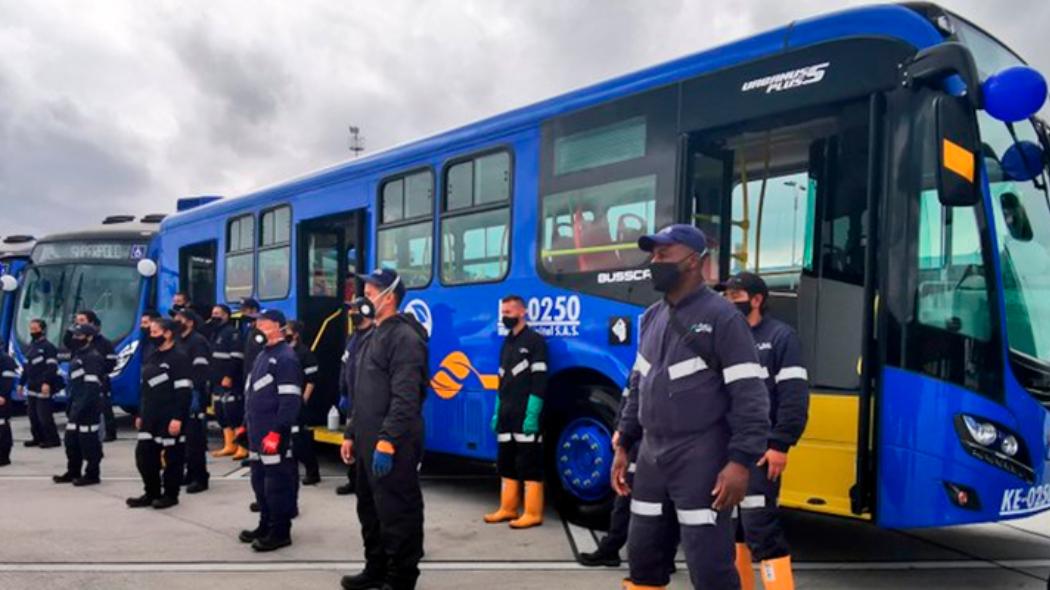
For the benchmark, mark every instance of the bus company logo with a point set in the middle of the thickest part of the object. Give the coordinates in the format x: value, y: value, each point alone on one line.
x: 764, y: 346
x: 452, y: 374
x: 702, y: 328
x: 788, y: 80
x: 624, y: 276
x: 421, y: 311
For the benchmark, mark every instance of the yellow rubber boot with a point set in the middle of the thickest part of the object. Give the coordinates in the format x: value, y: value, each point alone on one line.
x: 776, y: 574
x: 533, y: 507
x: 228, y: 448
x: 629, y: 585
x: 241, y: 453
x: 743, y: 567
x: 509, y: 502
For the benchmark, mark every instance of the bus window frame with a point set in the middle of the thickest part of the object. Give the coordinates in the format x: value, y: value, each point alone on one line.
x: 260, y: 248
x: 185, y: 287
x: 405, y: 222
x: 443, y: 213
x: 226, y: 254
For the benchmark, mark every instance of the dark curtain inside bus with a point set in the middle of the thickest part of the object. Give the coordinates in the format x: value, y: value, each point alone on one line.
x: 787, y: 199
x: 329, y: 259
x: 197, y: 277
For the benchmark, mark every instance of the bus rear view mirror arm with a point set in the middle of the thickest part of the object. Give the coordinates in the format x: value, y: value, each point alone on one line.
x: 934, y: 65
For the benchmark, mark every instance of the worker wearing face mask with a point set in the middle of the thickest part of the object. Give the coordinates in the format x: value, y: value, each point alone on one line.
x: 517, y: 420
x: 701, y: 413
x: 759, y: 533
x: 195, y: 346
x: 227, y: 364
x: 87, y: 370
x: 362, y: 318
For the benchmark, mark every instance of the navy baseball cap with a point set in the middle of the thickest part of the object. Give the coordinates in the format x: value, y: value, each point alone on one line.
x: 385, y: 278
x: 189, y: 314
x: 747, y: 282
x: 249, y: 302
x: 679, y: 233
x: 84, y: 330
x: 274, y: 315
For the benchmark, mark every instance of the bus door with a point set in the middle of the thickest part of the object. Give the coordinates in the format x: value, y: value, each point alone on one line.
x: 329, y: 255
x: 785, y: 198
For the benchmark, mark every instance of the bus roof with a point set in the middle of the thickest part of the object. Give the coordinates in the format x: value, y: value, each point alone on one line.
x: 131, y: 230
x: 888, y: 21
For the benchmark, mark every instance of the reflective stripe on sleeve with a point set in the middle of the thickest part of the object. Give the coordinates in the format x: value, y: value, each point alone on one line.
x: 144, y: 436
x: 91, y: 379
x: 52, y: 361
x: 220, y: 355
x: 503, y: 437
x: 646, y: 508
x: 686, y: 368
x: 289, y: 389
x: 742, y: 371
x: 698, y: 517
x: 310, y: 370
x: 788, y: 373
x: 200, y: 361
x: 641, y: 365
x: 77, y: 374
x: 527, y: 438
x: 11, y: 374
x: 237, y: 355
x: 36, y: 360
x: 539, y: 367
x: 183, y: 384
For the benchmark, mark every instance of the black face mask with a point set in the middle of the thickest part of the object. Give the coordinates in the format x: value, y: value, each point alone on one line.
x: 36, y: 335
x: 156, y: 340
x: 666, y: 275
x: 509, y: 322
x: 76, y: 344
x: 356, y: 319
x: 289, y: 338
x: 743, y: 307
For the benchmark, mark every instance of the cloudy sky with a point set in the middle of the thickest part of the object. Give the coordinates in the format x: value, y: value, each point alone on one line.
x: 127, y: 106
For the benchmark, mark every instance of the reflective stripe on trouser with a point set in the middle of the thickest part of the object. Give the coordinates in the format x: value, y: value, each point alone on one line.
x: 274, y: 487
x: 390, y: 510
x: 685, y: 474
x: 520, y: 456
x: 196, y: 449
x: 620, y: 518
x: 160, y: 477
x: 758, y: 518
x: 83, y: 450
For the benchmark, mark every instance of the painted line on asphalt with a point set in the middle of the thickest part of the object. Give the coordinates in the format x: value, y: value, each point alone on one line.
x: 466, y: 566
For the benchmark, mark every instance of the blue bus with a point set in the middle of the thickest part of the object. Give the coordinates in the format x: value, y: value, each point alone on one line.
x: 96, y: 268
x: 857, y: 160
x: 14, y: 255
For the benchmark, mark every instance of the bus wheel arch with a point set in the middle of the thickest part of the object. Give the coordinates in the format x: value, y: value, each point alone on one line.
x: 579, y: 420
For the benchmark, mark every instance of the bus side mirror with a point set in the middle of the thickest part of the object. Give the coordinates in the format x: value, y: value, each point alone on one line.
x: 8, y: 283
x: 147, y: 268
x: 958, y: 146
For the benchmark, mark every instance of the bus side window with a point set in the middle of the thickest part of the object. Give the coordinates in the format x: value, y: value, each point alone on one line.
x: 475, y: 221
x: 405, y: 238
x: 240, y: 257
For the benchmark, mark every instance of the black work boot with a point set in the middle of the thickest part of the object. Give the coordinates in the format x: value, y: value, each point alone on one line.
x: 271, y: 542
x: 165, y: 502
x: 366, y: 580
x: 249, y: 536
x: 197, y: 487
x: 600, y: 558
x: 86, y: 481
x: 143, y: 501
x: 312, y: 479
x: 345, y: 490
x: 64, y: 478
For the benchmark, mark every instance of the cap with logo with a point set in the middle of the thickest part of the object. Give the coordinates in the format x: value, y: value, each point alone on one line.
x: 680, y: 233
x: 386, y: 279
x: 274, y: 315
x: 747, y: 282
x: 249, y: 302
x: 84, y: 330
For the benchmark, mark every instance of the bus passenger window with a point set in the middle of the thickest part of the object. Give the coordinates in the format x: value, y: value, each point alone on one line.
x: 405, y: 238
x: 475, y: 236
x: 275, y: 253
x: 240, y: 257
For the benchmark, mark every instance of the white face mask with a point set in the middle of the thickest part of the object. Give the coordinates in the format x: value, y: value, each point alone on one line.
x: 383, y: 293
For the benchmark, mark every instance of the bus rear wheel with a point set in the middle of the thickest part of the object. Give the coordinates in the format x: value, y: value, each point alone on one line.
x: 579, y: 457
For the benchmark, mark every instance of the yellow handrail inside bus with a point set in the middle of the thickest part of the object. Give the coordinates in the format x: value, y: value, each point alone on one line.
x: 324, y: 326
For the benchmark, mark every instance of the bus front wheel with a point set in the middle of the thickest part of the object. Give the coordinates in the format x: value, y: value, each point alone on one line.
x: 579, y: 456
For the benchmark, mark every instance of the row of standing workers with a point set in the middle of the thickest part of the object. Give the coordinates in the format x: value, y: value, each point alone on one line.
x: 717, y: 397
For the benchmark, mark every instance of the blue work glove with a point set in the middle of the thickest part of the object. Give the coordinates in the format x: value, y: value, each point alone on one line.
x: 495, y: 417
x: 344, y: 403
x: 195, y: 402
x: 531, y: 425
x: 382, y: 459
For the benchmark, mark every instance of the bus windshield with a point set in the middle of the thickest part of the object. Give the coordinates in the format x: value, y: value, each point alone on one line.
x: 55, y: 292
x: 1021, y: 212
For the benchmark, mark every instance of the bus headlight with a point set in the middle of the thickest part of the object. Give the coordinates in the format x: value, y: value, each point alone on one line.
x: 983, y: 433
x: 124, y: 357
x: 995, y: 444
x: 1009, y: 445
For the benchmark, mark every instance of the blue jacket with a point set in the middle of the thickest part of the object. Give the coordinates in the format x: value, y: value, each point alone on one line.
x: 87, y: 373
x: 709, y: 381
x: 273, y: 394
x: 41, y: 366
x: 8, y: 375
x: 780, y: 355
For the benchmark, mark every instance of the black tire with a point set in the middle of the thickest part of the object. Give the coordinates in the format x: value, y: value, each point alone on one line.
x: 594, y: 401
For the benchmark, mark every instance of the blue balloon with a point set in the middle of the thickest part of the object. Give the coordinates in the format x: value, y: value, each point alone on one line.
x: 1023, y: 161
x: 1014, y: 94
